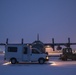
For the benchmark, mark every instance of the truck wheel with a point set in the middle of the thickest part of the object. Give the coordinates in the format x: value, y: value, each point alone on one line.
x: 73, y: 59
x: 13, y: 61
x: 64, y: 59
x: 41, y: 61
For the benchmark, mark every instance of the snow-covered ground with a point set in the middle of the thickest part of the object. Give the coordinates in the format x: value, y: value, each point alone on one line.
x: 53, y: 67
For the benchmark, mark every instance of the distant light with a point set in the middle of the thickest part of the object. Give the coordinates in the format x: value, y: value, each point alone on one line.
x: 27, y: 44
x: 7, y: 63
x: 48, y: 46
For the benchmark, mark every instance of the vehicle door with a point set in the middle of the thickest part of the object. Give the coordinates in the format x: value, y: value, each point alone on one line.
x: 35, y: 54
x: 26, y: 54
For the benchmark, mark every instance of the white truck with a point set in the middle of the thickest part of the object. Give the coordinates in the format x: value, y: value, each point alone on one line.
x: 16, y: 53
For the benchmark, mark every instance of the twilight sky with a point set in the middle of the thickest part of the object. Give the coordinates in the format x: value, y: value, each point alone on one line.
x: 25, y: 18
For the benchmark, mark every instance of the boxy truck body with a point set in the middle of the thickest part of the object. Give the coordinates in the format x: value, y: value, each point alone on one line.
x: 23, y: 53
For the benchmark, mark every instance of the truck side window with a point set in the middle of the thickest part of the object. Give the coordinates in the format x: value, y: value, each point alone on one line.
x: 25, y: 50
x: 12, y: 49
x: 35, y: 51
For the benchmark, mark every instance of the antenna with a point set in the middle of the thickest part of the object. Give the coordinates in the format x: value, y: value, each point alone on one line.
x: 37, y: 37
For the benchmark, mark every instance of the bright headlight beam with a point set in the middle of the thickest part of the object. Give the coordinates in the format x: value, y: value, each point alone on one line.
x: 7, y: 63
x: 54, y: 64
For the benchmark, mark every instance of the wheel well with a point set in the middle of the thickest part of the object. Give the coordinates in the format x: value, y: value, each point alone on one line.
x: 40, y: 58
x: 13, y: 58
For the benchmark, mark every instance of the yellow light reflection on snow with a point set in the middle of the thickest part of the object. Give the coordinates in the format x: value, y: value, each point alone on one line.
x: 7, y: 63
x: 54, y: 64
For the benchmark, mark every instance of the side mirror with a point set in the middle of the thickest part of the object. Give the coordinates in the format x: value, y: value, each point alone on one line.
x: 46, y: 53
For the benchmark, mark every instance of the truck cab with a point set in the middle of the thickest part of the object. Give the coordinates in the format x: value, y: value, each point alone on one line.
x: 16, y: 53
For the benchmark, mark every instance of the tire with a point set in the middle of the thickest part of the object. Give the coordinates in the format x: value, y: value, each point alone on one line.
x: 73, y: 59
x: 13, y: 61
x: 64, y: 59
x: 41, y: 61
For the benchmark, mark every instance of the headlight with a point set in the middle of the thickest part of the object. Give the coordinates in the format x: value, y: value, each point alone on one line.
x: 47, y: 57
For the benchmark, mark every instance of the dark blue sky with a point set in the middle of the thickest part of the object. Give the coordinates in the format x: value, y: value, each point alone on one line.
x: 25, y: 18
